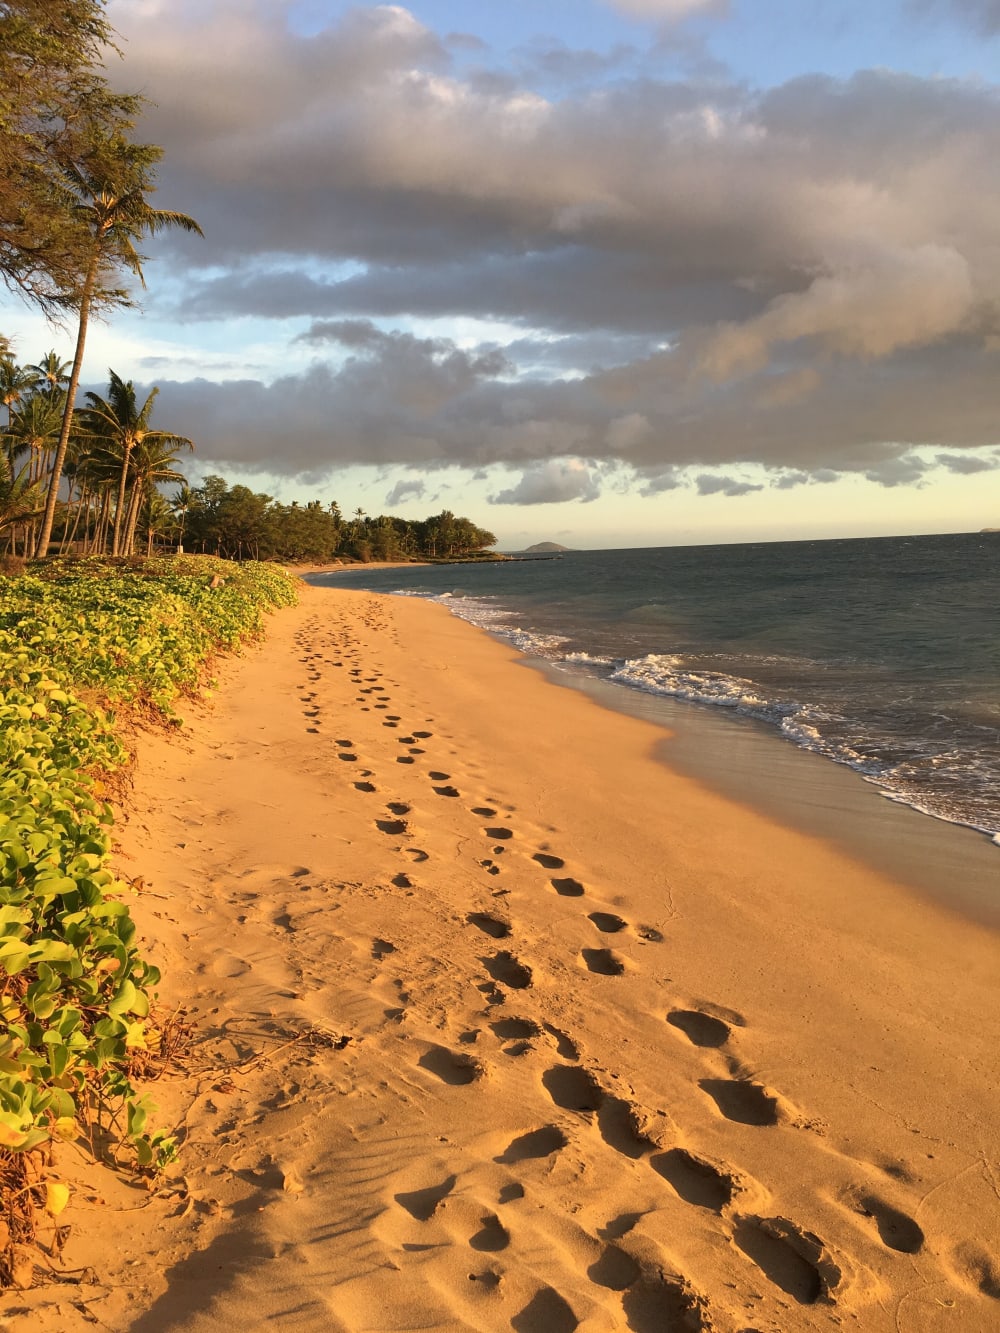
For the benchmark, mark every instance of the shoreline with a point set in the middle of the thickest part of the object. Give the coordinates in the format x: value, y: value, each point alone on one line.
x: 502, y: 1022
x: 953, y: 865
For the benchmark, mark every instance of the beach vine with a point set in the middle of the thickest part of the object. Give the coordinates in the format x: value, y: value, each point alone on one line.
x: 84, y: 646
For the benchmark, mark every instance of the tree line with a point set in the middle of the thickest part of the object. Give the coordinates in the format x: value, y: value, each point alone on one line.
x: 239, y: 524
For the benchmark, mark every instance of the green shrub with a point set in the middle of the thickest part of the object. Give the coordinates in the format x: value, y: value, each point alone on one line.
x: 77, y: 639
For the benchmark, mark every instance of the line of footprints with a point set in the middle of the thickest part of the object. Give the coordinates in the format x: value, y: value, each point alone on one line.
x: 793, y: 1258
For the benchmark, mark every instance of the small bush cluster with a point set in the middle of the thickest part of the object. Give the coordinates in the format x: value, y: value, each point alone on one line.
x: 77, y: 640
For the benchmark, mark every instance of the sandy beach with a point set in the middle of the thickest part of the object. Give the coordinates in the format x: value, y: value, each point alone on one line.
x: 498, y: 1023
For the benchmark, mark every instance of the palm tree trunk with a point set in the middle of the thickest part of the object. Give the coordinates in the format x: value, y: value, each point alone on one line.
x: 116, y: 540
x: 86, y: 296
x: 132, y: 519
x: 69, y: 536
x: 101, y: 535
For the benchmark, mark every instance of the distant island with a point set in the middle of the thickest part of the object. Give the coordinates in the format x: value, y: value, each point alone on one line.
x: 545, y: 548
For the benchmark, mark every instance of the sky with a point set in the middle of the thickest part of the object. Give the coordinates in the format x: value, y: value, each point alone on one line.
x: 602, y: 272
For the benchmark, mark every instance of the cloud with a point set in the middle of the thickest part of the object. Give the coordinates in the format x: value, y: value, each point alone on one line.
x: 713, y: 484
x: 552, y: 483
x: 869, y: 307
x: 982, y: 15
x: 706, y: 276
x: 405, y: 490
x: 967, y: 464
x: 669, y: 11
x: 907, y: 470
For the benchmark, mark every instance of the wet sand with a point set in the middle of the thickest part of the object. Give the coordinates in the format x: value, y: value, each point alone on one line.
x: 503, y: 1024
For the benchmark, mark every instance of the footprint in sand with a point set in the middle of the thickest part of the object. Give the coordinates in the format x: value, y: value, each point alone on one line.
x: 793, y: 1259
x: 700, y: 1029
x: 381, y: 949
x: 423, y: 735
x: 392, y: 827
x: 658, y: 1302
x: 447, y: 791
x: 505, y: 968
x: 573, y: 1089
x: 538, y: 1143
x: 483, y: 811
x: 606, y: 922
x: 895, y: 1229
x: 405, y: 759
x: 398, y: 808
x: 490, y: 867
x: 565, y: 1046
x: 489, y: 925
x: 568, y: 888
x: 695, y: 1179
x: 346, y: 757
x: 513, y: 1029
x: 451, y: 1067
x: 602, y: 962
x: 497, y: 833
x: 549, y: 862
x: 402, y: 881
x: 740, y: 1100
x: 416, y: 854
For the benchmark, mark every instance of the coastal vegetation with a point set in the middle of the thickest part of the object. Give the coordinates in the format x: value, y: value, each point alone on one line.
x: 238, y: 523
x: 74, y: 202
x: 84, y: 648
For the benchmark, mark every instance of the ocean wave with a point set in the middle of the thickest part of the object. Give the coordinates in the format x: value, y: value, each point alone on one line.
x: 664, y: 673
x: 488, y: 614
x: 955, y: 796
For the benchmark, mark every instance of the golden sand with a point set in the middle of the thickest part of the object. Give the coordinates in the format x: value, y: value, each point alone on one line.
x: 621, y: 1054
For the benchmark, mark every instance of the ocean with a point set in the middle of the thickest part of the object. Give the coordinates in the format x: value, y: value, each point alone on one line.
x: 882, y: 654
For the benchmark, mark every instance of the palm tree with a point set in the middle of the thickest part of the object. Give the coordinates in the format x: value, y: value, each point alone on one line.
x: 153, y: 459
x: 20, y: 498
x: 50, y: 373
x: 111, y: 205
x: 15, y: 382
x: 180, y: 504
x: 120, y: 425
x: 34, y: 426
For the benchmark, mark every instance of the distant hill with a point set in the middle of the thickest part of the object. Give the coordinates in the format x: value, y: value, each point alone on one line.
x: 545, y: 548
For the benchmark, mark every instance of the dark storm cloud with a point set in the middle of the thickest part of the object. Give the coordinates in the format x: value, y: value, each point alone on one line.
x: 805, y: 277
